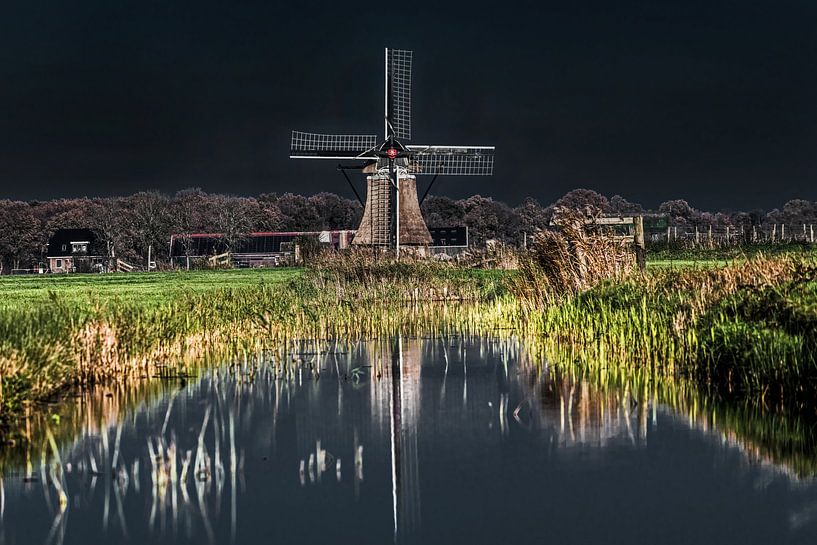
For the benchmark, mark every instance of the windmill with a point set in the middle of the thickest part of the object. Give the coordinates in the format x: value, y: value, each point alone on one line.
x: 391, y: 216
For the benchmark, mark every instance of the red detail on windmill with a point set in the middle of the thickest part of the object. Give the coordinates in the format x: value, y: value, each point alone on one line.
x: 392, y: 153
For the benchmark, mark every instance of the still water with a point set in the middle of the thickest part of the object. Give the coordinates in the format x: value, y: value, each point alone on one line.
x: 408, y: 441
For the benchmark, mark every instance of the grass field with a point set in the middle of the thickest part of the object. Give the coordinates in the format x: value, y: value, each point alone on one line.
x: 663, y: 256
x: 147, y: 288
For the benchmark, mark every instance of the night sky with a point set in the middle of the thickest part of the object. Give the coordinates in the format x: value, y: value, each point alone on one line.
x: 712, y: 101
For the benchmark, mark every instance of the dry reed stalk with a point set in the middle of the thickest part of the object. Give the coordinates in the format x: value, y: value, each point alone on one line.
x: 571, y: 258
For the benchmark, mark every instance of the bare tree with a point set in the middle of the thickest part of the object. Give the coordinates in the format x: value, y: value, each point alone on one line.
x: 235, y: 219
x: 150, y: 226
x: 19, y: 235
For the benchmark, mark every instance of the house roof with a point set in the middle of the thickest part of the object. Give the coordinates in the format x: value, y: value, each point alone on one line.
x: 64, y: 237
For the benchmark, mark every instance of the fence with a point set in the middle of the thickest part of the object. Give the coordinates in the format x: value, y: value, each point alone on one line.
x: 709, y: 236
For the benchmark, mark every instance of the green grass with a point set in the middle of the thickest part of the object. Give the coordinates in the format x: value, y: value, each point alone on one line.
x: 686, y: 263
x: 141, y: 288
x: 660, y: 252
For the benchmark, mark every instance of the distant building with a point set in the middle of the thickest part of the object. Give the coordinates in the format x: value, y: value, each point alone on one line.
x: 74, y: 250
x: 448, y: 240
x: 269, y: 249
x: 255, y: 249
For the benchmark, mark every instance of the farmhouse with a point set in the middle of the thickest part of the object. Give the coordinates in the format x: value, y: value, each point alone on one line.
x: 74, y: 250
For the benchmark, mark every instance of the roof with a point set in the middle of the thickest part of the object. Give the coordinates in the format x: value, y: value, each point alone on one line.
x: 261, y: 233
x: 64, y: 237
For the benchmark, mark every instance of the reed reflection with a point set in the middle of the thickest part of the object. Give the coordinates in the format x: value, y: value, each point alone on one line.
x: 195, y: 460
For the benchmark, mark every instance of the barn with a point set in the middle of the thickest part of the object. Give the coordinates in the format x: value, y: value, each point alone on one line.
x: 268, y: 249
x: 264, y: 249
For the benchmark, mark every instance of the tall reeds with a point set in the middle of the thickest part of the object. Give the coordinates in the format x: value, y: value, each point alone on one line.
x: 51, y: 346
x: 747, y: 328
x: 571, y: 258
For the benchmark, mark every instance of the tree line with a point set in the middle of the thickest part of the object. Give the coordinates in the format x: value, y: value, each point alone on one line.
x: 126, y: 227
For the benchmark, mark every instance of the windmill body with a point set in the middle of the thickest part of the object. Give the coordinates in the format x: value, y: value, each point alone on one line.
x: 392, y: 216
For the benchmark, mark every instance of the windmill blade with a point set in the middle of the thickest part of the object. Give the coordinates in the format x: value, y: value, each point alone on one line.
x: 452, y: 160
x: 307, y: 145
x: 398, y: 81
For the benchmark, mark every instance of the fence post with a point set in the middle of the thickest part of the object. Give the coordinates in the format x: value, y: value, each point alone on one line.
x: 640, y: 248
x: 782, y: 232
x: 811, y: 229
x: 727, y: 234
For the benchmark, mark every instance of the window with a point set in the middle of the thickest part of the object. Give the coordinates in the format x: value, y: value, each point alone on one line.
x: 59, y: 264
x: 64, y: 247
x: 79, y: 246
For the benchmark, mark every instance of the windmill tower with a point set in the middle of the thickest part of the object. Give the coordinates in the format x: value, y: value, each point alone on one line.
x: 391, y: 216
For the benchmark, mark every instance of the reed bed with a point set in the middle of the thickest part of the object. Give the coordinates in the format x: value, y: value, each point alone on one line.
x: 739, y: 338
x: 744, y: 329
x: 570, y: 258
x: 58, y: 344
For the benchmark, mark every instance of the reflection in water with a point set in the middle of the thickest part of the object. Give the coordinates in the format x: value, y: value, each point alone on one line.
x: 440, y: 430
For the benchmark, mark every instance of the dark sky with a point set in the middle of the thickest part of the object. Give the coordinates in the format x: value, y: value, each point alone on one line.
x: 713, y: 101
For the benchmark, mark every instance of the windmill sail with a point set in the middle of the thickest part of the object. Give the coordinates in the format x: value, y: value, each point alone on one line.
x: 307, y: 145
x: 398, y: 82
x: 452, y: 160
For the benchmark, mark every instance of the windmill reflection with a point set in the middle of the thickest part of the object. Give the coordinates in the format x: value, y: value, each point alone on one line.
x: 404, y: 419
x: 346, y: 416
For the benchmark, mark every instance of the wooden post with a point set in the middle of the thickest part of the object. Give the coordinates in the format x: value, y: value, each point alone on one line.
x: 710, y: 235
x: 149, y: 249
x: 696, y: 235
x: 774, y: 232
x: 675, y: 232
x: 811, y: 229
x: 640, y: 246
x: 727, y: 234
x: 782, y: 232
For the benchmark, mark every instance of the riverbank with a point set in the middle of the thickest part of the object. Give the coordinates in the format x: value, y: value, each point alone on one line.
x: 94, y: 329
x: 747, y: 331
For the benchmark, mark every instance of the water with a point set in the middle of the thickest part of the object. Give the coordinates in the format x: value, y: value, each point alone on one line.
x: 464, y: 443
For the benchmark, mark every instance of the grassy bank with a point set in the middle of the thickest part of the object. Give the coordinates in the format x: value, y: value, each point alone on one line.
x: 89, y: 329
x: 732, y: 347
x: 749, y: 328
x: 734, y: 344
